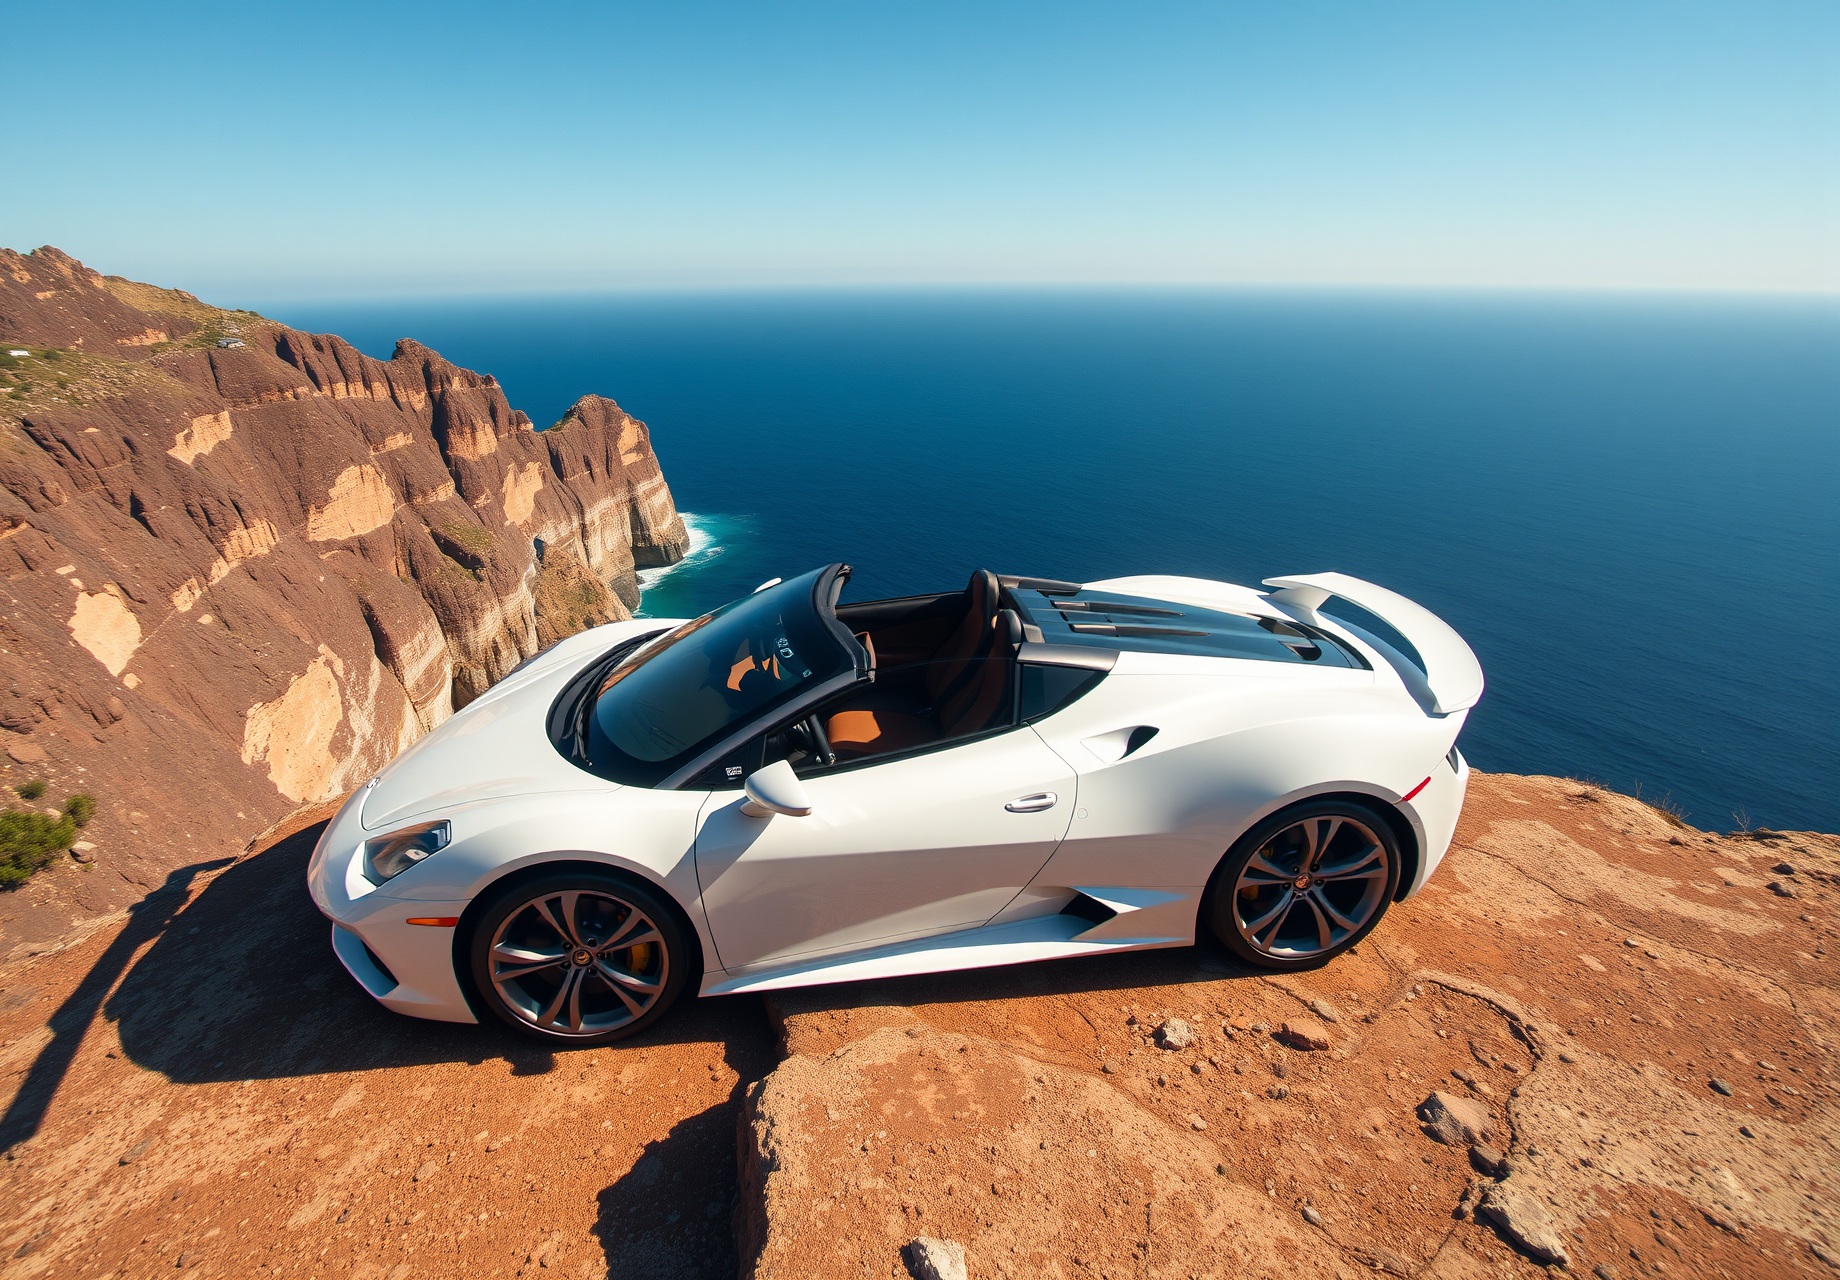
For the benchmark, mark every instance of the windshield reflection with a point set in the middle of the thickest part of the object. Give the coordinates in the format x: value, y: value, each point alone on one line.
x: 657, y: 709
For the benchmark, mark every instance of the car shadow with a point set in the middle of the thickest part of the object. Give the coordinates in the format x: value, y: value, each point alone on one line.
x: 242, y: 984
x: 1206, y: 961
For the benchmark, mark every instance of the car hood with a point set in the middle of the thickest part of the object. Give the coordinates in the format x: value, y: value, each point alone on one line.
x: 497, y: 745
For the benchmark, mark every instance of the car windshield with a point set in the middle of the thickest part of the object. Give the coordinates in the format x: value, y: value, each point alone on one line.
x: 660, y: 709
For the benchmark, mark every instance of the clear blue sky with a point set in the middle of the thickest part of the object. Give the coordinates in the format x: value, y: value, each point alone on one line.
x: 254, y: 152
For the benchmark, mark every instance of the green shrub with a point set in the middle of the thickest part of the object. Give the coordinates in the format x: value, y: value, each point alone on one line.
x: 471, y: 537
x: 30, y: 840
x: 80, y: 808
x: 31, y: 790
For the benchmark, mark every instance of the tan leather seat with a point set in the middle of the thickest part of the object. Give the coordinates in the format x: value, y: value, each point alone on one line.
x: 968, y: 693
x: 868, y: 733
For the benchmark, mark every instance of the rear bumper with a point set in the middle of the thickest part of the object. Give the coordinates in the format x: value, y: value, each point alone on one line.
x: 406, y: 968
x: 1434, y: 812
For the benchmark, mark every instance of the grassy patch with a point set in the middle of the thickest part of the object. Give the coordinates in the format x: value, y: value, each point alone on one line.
x: 50, y: 376
x: 470, y: 537
x: 453, y: 568
x: 211, y: 323
x: 31, y: 790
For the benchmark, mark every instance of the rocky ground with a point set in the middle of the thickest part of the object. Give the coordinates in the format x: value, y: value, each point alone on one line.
x: 1626, y: 1025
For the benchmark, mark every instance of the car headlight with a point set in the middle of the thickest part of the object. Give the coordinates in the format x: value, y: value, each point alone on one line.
x: 391, y: 855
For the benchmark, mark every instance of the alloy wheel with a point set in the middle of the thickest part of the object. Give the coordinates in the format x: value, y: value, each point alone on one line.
x: 578, y: 962
x: 1311, y: 887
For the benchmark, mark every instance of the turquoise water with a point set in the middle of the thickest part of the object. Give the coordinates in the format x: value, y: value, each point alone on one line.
x: 1627, y: 505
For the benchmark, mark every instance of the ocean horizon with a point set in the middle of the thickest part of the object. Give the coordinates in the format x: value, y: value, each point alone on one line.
x: 1624, y: 502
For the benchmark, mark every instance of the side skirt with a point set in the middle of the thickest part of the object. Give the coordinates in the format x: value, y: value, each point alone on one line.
x: 1055, y: 937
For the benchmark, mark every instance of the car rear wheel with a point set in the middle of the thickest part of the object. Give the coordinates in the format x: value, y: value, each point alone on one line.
x: 1305, y: 884
x: 580, y: 957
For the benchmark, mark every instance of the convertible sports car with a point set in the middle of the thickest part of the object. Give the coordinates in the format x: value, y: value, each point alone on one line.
x: 790, y: 791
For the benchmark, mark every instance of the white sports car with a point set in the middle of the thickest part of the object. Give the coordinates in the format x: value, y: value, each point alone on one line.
x: 790, y: 791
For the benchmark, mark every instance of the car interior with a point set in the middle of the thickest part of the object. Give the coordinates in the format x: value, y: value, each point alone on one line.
x: 945, y: 669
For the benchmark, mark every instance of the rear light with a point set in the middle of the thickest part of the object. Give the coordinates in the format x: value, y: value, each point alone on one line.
x: 435, y: 922
x: 1415, y: 790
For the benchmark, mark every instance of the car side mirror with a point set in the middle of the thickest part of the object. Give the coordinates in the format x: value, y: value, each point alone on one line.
x: 775, y: 789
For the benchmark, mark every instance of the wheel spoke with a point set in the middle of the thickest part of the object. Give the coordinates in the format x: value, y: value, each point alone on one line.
x: 516, y: 962
x: 1322, y: 903
x: 636, y: 929
x: 1323, y: 939
x: 633, y: 1007
x: 1319, y: 835
x: 566, y: 932
x: 1271, y: 921
x: 569, y: 995
x: 631, y: 981
x: 1367, y: 864
x: 1271, y: 934
x: 1260, y: 871
x: 1349, y: 877
x: 624, y: 944
x: 571, y: 916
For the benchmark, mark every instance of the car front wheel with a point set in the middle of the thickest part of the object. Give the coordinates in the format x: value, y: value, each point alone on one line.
x: 579, y: 957
x: 1305, y: 884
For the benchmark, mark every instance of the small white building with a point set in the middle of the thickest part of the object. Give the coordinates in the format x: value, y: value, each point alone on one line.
x: 18, y: 351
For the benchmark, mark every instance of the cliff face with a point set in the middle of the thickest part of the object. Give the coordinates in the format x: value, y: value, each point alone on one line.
x: 242, y: 578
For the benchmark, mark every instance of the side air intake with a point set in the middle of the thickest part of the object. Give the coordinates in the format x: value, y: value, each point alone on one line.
x: 1086, y: 907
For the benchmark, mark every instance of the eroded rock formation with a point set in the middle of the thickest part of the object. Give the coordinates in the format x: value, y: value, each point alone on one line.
x: 1595, y: 1035
x: 241, y: 578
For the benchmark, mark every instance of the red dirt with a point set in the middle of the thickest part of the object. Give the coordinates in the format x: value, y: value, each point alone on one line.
x: 287, y: 1116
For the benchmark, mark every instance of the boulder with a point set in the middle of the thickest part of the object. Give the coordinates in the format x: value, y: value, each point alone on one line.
x: 1175, y: 1034
x: 1305, y: 1033
x: 1526, y: 1221
x: 1454, y: 1121
x: 930, y: 1259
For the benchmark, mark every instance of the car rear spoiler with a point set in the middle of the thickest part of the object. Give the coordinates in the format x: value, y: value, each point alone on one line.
x: 1452, y: 678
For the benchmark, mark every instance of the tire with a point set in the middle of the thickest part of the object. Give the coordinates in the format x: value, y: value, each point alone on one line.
x: 580, y: 957
x: 1287, y: 898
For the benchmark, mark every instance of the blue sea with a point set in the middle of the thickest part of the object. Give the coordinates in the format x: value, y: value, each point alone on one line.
x: 1630, y: 506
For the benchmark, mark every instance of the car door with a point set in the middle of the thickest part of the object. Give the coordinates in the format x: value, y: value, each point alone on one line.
x: 897, y: 849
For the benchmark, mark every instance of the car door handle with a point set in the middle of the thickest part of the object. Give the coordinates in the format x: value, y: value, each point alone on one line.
x: 1033, y: 804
